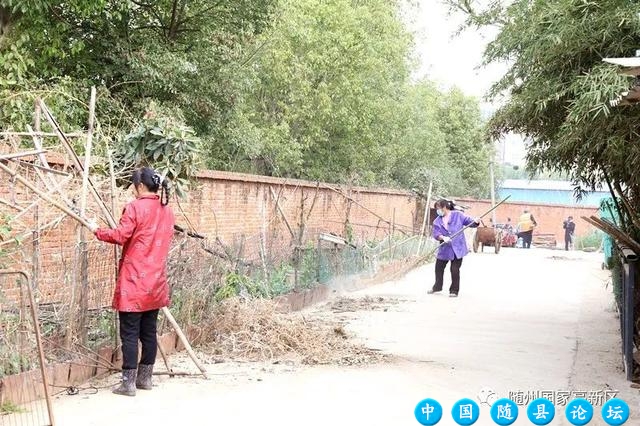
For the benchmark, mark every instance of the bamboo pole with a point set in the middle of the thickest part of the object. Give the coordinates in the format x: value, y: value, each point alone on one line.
x: 427, y: 210
x: 184, y: 341
x: 39, y: 167
x: 21, y: 154
x: 116, y: 248
x: 364, y: 207
x: 286, y: 222
x: 614, y: 231
x: 164, y: 357
x: 87, y: 154
x: 112, y: 224
x: 48, y: 180
x: 10, y: 204
x: 43, y: 195
x: 77, y: 164
x: 17, y: 239
x: 38, y: 336
x: 35, y: 203
x: 41, y: 134
x: 84, y: 260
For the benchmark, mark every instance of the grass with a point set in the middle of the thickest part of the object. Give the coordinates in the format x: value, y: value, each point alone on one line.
x: 592, y: 241
x: 9, y: 407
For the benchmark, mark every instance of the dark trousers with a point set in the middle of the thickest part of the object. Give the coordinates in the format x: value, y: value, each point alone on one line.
x: 527, y: 236
x: 568, y: 240
x: 455, y: 275
x: 136, y: 326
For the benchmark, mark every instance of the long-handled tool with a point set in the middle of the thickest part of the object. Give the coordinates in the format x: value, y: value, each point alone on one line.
x: 455, y: 234
x: 415, y: 262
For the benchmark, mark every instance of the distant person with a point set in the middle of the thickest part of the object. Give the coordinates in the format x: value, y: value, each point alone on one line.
x: 508, y: 227
x: 569, y: 231
x: 525, y: 228
x: 452, y: 248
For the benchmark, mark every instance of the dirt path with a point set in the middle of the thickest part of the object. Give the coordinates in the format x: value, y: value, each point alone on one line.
x: 526, y: 320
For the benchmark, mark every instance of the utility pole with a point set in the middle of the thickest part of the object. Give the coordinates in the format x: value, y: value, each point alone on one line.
x: 493, y: 192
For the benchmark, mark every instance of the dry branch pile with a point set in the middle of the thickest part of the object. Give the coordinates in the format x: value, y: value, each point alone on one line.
x: 255, y: 330
x: 367, y: 303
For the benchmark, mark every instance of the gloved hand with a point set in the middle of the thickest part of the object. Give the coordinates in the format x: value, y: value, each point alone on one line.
x: 445, y: 239
x: 93, y: 225
x: 477, y: 220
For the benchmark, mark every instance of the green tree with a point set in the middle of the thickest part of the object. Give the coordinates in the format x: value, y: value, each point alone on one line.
x: 460, y: 121
x: 170, y: 51
x: 559, y: 91
x: 319, y: 99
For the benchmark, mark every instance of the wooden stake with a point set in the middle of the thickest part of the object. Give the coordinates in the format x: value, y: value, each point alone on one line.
x: 185, y: 342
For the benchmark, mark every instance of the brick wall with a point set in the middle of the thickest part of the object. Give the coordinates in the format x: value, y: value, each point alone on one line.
x: 241, y: 210
x: 548, y: 217
x: 238, y: 210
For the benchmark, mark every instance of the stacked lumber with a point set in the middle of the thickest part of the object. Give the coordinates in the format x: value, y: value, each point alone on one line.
x: 545, y: 240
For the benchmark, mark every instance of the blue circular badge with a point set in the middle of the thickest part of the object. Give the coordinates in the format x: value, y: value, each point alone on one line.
x: 465, y: 412
x: 615, y: 412
x: 579, y: 412
x: 541, y: 411
x: 504, y: 411
x: 428, y: 412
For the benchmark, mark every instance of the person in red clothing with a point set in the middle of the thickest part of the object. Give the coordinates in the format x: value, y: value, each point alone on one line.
x: 144, y: 232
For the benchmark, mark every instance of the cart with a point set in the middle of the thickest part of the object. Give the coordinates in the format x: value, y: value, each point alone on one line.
x: 487, y: 236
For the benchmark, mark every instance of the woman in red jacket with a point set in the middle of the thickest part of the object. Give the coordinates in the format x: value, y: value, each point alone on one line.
x: 144, y: 232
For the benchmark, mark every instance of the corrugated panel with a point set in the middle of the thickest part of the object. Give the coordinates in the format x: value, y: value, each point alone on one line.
x: 551, y: 196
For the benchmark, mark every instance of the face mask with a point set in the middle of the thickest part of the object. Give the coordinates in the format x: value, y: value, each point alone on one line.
x: 439, y: 212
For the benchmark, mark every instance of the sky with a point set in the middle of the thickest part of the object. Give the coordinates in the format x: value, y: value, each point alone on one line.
x: 450, y: 59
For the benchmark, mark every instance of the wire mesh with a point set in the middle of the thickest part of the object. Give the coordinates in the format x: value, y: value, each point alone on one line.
x: 74, y: 277
x: 21, y: 394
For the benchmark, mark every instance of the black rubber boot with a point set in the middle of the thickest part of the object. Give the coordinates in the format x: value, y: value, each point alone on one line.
x: 128, y: 385
x: 145, y: 372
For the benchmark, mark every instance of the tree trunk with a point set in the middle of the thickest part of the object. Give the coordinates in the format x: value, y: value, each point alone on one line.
x: 5, y: 21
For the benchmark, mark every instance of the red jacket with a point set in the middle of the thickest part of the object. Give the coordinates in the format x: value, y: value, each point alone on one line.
x: 144, y: 232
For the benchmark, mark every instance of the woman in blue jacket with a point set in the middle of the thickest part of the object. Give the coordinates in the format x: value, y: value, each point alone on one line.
x: 448, y: 222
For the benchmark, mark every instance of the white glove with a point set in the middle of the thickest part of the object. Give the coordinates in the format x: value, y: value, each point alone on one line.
x: 93, y: 225
x: 477, y: 220
x: 445, y: 239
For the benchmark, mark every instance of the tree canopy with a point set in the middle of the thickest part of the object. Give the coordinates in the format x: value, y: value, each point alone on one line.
x: 558, y: 90
x: 310, y: 89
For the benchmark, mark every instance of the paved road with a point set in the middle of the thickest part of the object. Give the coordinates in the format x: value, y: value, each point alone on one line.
x: 526, y: 320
